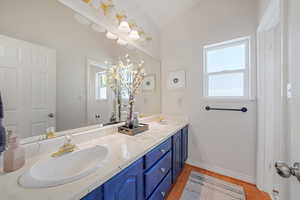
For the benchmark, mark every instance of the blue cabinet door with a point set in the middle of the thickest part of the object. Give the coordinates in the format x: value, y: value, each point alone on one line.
x: 184, y: 144
x: 177, y: 155
x: 128, y: 184
x: 96, y: 194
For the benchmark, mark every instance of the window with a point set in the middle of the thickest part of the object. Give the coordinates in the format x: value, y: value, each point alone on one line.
x: 101, y: 86
x: 226, y: 69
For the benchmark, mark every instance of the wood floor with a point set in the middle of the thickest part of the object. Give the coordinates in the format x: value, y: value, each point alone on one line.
x: 252, y: 193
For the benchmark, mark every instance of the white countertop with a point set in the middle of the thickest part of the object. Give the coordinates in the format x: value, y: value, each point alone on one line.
x: 123, y: 151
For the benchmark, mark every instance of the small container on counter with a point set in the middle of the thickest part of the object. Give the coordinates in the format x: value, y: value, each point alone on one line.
x: 14, y: 156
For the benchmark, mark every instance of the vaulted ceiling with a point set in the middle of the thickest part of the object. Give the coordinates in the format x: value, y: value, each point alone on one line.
x: 163, y: 11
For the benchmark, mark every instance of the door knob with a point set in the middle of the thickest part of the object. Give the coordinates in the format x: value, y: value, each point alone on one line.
x: 51, y: 115
x: 285, y: 171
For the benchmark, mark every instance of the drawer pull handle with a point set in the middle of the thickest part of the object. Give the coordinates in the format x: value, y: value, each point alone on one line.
x: 163, y: 170
x: 163, y: 151
x: 163, y: 194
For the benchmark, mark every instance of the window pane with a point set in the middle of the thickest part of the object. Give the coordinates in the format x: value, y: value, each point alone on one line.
x: 101, y: 91
x: 231, y: 58
x: 226, y: 85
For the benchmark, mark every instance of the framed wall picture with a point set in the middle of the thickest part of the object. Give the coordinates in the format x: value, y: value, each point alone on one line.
x: 149, y: 83
x: 176, y: 79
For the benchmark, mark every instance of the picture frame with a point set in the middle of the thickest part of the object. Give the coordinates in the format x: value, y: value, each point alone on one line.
x: 176, y: 79
x: 149, y: 83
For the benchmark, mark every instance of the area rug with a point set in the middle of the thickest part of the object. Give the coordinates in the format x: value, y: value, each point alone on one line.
x: 203, y: 187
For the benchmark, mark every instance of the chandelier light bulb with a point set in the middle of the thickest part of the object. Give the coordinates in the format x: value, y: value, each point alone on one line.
x: 124, y: 27
x: 134, y: 35
x: 111, y: 36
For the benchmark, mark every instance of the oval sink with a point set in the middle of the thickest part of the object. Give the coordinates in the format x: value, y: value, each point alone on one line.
x: 65, y: 169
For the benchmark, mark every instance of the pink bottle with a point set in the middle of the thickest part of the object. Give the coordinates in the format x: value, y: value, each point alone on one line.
x: 14, y: 156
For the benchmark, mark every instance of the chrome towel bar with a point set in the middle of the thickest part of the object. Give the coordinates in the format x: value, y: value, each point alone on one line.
x: 243, y: 109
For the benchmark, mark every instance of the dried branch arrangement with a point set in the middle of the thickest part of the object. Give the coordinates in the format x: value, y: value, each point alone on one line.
x: 125, y: 78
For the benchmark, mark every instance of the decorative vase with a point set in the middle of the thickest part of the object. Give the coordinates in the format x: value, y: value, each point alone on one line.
x: 130, y: 122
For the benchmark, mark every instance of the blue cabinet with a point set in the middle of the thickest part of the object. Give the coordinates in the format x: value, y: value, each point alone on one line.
x: 151, y: 176
x: 96, y: 194
x: 128, y: 184
x: 184, y: 144
x: 177, y: 155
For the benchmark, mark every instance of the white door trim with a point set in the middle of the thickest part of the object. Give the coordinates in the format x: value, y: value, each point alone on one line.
x: 270, y: 20
x: 91, y: 62
x: 271, y: 17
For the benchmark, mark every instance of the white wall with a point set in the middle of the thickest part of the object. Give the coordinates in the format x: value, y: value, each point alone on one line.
x: 224, y: 142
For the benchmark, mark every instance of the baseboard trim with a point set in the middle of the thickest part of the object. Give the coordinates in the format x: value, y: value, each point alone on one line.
x: 225, y: 172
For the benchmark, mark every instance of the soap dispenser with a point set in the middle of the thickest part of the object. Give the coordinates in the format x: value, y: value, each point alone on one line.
x: 14, y: 156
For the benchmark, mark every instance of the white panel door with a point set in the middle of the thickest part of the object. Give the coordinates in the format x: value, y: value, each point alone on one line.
x: 99, y: 110
x: 28, y: 86
x: 294, y: 67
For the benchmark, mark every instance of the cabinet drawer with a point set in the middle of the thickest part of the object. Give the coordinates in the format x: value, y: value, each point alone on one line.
x: 157, y: 173
x: 154, y: 155
x: 163, y: 188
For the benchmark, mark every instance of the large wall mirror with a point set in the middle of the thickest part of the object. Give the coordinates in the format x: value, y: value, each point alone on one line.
x: 53, y: 70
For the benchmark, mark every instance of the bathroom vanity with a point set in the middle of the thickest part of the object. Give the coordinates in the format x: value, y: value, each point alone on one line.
x: 137, y: 167
x: 151, y: 176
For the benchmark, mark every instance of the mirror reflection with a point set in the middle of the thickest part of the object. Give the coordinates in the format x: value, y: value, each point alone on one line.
x: 54, y: 71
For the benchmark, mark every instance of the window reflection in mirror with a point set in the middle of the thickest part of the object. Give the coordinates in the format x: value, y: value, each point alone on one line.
x: 101, y: 86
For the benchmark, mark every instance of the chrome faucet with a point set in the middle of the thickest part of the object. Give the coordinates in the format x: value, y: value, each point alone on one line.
x: 68, y: 147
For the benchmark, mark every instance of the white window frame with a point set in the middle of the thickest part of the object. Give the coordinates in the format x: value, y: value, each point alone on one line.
x: 246, y: 71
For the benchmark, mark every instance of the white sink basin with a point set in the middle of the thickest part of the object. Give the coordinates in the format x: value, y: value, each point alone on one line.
x: 65, y: 169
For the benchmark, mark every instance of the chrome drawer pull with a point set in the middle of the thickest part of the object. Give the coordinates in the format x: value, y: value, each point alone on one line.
x: 163, y: 151
x: 163, y: 194
x: 162, y: 170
